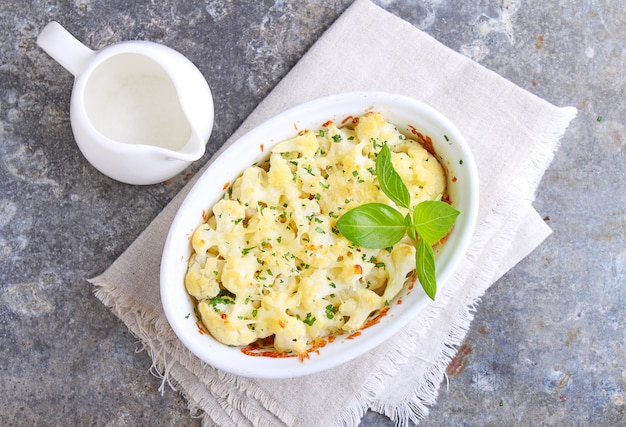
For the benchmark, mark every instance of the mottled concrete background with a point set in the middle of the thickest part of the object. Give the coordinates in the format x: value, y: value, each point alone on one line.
x: 547, y: 346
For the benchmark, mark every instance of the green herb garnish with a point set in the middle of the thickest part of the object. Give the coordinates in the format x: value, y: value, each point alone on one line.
x: 309, y: 320
x: 223, y: 297
x: 330, y: 311
x: 246, y: 251
x: 378, y: 226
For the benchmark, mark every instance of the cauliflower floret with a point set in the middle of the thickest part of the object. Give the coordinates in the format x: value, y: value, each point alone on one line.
x: 272, y: 318
x: 280, y: 181
x: 377, y: 276
x: 228, y: 216
x: 203, y: 280
x: 315, y: 291
x: 420, y: 171
x: 228, y: 235
x: 306, y: 144
x: 324, y: 320
x: 249, y: 187
x: 291, y: 335
x: 204, y: 238
x: 358, y: 307
x: 238, y: 275
x: 373, y: 128
x: 227, y: 321
x: 316, y: 309
x: 314, y: 287
x: 402, y: 263
x: 302, y: 211
x: 355, y: 266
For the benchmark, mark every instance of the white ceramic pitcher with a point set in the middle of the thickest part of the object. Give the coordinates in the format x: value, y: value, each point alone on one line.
x: 140, y: 112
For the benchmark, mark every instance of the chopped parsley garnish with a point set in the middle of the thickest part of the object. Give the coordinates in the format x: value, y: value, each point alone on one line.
x: 330, y: 311
x: 246, y: 251
x: 223, y: 297
x: 309, y: 320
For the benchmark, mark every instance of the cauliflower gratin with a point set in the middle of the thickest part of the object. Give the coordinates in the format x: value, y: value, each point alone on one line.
x: 268, y: 261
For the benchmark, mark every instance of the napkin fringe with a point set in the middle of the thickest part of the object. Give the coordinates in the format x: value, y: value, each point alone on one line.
x: 144, y: 327
x: 211, y: 409
x: 248, y: 390
x: 416, y: 406
x: 391, y: 360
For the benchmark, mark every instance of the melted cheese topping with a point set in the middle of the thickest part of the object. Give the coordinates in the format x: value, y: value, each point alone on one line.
x: 269, y: 261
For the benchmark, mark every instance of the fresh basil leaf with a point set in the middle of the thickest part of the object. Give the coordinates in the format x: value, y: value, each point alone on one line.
x: 389, y: 180
x: 425, y: 265
x: 433, y: 220
x: 373, y: 226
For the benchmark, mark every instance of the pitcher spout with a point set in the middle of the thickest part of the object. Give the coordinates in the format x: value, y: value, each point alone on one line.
x: 195, y: 100
x: 193, y: 150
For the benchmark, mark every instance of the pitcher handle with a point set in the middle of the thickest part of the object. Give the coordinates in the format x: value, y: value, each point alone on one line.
x: 64, y: 48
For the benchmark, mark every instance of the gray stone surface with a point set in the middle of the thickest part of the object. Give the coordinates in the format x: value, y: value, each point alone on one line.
x: 547, y: 346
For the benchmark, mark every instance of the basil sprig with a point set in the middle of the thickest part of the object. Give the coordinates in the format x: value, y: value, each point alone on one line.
x: 377, y: 225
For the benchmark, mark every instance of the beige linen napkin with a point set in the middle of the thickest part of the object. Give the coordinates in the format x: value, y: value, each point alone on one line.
x: 513, y: 136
